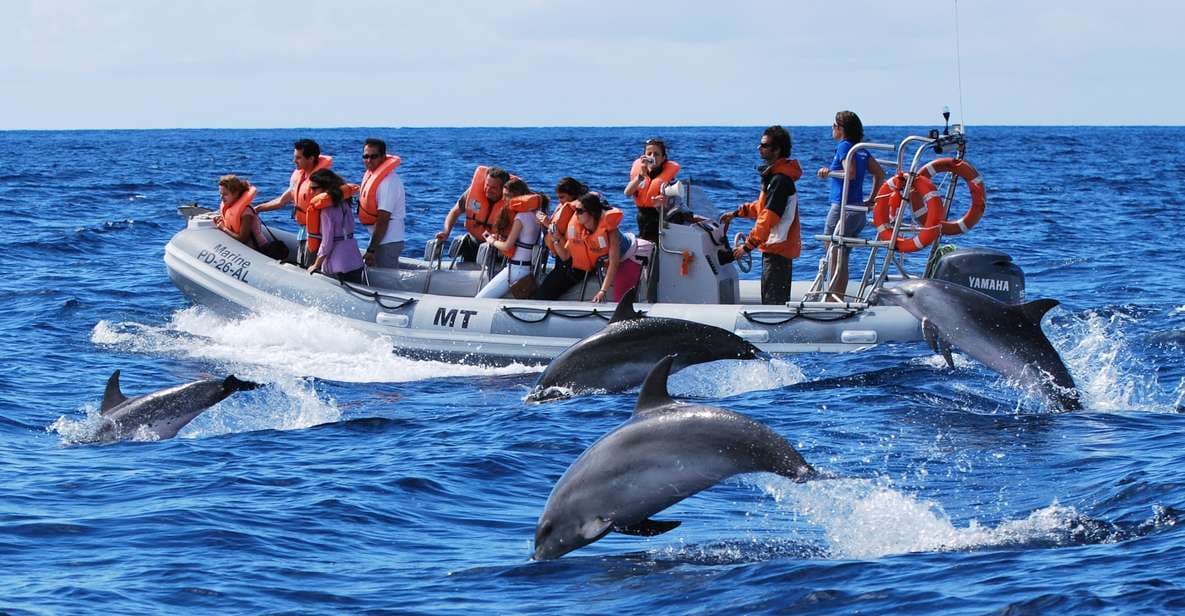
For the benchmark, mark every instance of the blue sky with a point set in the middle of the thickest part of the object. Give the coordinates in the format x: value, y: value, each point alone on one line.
x: 295, y: 63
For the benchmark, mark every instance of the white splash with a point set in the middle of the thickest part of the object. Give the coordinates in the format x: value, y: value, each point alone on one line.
x: 721, y: 379
x: 866, y: 519
x: 307, y: 343
x: 1110, y: 376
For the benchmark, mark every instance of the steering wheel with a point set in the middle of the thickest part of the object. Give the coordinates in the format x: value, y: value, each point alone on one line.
x: 745, y: 263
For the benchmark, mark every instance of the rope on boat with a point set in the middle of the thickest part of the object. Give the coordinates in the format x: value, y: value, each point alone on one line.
x: 765, y: 318
x: 544, y: 313
x: 377, y: 297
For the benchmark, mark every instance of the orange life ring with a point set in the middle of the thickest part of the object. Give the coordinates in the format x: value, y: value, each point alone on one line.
x: 924, y: 199
x: 974, y: 181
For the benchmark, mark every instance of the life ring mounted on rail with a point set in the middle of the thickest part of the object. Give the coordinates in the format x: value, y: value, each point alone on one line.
x: 925, y: 201
x: 974, y: 180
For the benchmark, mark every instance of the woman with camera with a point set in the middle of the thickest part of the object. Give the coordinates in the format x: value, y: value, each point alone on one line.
x: 650, y: 173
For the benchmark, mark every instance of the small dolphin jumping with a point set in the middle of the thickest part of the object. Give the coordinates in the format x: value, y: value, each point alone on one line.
x: 1003, y: 337
x: 161, y: 413
x: 618, y: 357
x: 666, y: 452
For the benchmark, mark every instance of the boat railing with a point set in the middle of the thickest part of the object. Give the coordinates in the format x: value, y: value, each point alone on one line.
x: 907, y: 160
x: 934, y: 143
x: 828, y: 275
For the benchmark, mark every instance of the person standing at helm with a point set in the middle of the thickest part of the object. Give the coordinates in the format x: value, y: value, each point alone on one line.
x: 382, y: 205
x: 848, y: 130
x: 777, y: 232
x: 650, y: 172
x: 480, y: 204
x: 307, y: 158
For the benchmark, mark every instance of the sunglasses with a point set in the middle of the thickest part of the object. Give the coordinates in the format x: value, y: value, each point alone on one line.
x: 765, y: 146
x: 371, y: 156
x: 578, y: 210
x: 316, y: 187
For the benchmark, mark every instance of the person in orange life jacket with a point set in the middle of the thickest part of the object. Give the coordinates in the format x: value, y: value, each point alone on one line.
x: 649, y: 173
x: 848, y: 130
x: 777, y: 231
x: 480, y: 204
x: 567, y: 191
x: 337, y: 251
x: 382, y: 205
x: 235, y: 216
x: 593, y: 232
x: 520, y: 238
x: 307, y: 158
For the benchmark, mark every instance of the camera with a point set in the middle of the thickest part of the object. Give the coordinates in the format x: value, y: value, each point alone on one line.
x: 649, y: 160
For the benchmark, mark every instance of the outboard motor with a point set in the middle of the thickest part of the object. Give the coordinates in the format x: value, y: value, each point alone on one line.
x: 988, y: 271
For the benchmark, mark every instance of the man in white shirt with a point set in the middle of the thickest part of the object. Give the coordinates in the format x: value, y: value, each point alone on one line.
x: 382, y: 205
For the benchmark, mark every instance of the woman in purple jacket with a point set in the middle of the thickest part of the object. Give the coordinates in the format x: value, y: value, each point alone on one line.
x: 338, y: 255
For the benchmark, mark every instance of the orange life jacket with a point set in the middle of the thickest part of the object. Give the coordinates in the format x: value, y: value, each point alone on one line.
x: 232, y: 215
x: 301, y: 193
x: 480, y: 214
x: 588, y: 246
x: 523, y: 203
x: 652, y: 187
x: 557, y: 223
x: 368, y: 208
x: 318, y: 203
x: 772, y: 233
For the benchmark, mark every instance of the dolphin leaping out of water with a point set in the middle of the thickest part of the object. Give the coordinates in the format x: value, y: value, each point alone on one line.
x: 618, y: 357
x: 666, y: 452
x: 1006, y: 338
x: 161, y: 413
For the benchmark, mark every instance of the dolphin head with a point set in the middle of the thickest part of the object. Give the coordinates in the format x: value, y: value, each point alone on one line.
x: 562, y: 528
x: 899, y: 294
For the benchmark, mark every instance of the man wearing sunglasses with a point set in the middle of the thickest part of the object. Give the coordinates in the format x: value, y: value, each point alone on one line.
x: 776, y: 232
x: 382, y: 205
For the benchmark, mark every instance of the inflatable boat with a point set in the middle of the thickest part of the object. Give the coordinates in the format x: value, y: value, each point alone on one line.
x: 428, y: 309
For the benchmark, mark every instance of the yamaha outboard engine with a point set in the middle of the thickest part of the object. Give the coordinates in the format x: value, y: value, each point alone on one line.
x: 988, y: 271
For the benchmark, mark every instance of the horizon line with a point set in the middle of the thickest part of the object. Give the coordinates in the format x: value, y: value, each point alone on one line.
x: 580, y: 126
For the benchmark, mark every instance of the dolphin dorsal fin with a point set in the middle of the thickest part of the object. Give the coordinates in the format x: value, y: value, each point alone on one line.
x: 625, y: 308
x: 1037, y: 308
x: 112, y: 397
x: 654, y: 389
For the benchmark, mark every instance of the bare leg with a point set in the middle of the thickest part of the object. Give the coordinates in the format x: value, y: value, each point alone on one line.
x: 839, y: 260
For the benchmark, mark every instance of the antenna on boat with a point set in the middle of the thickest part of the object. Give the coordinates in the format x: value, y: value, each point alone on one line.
x: 958, y: 73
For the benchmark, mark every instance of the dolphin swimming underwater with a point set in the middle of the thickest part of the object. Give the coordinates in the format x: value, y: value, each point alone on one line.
x: 620, y: 356
x: 1006, y: 338
x: 666, y: 452
x: 161, y: 413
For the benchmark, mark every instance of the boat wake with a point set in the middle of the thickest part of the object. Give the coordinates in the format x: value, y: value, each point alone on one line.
x: 270, y: 347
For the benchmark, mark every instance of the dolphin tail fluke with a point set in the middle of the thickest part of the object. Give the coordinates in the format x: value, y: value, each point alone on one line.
x: 625, y: 308
x: 233, y: 384
x: 654, y: 389
x: 112, y: 396
x: 648, y: 528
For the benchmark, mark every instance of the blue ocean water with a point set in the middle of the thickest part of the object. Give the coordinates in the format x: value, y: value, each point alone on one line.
x: 360, y: 482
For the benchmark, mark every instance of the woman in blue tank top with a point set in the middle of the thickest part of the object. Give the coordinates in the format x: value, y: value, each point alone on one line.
x: 848, y: 131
